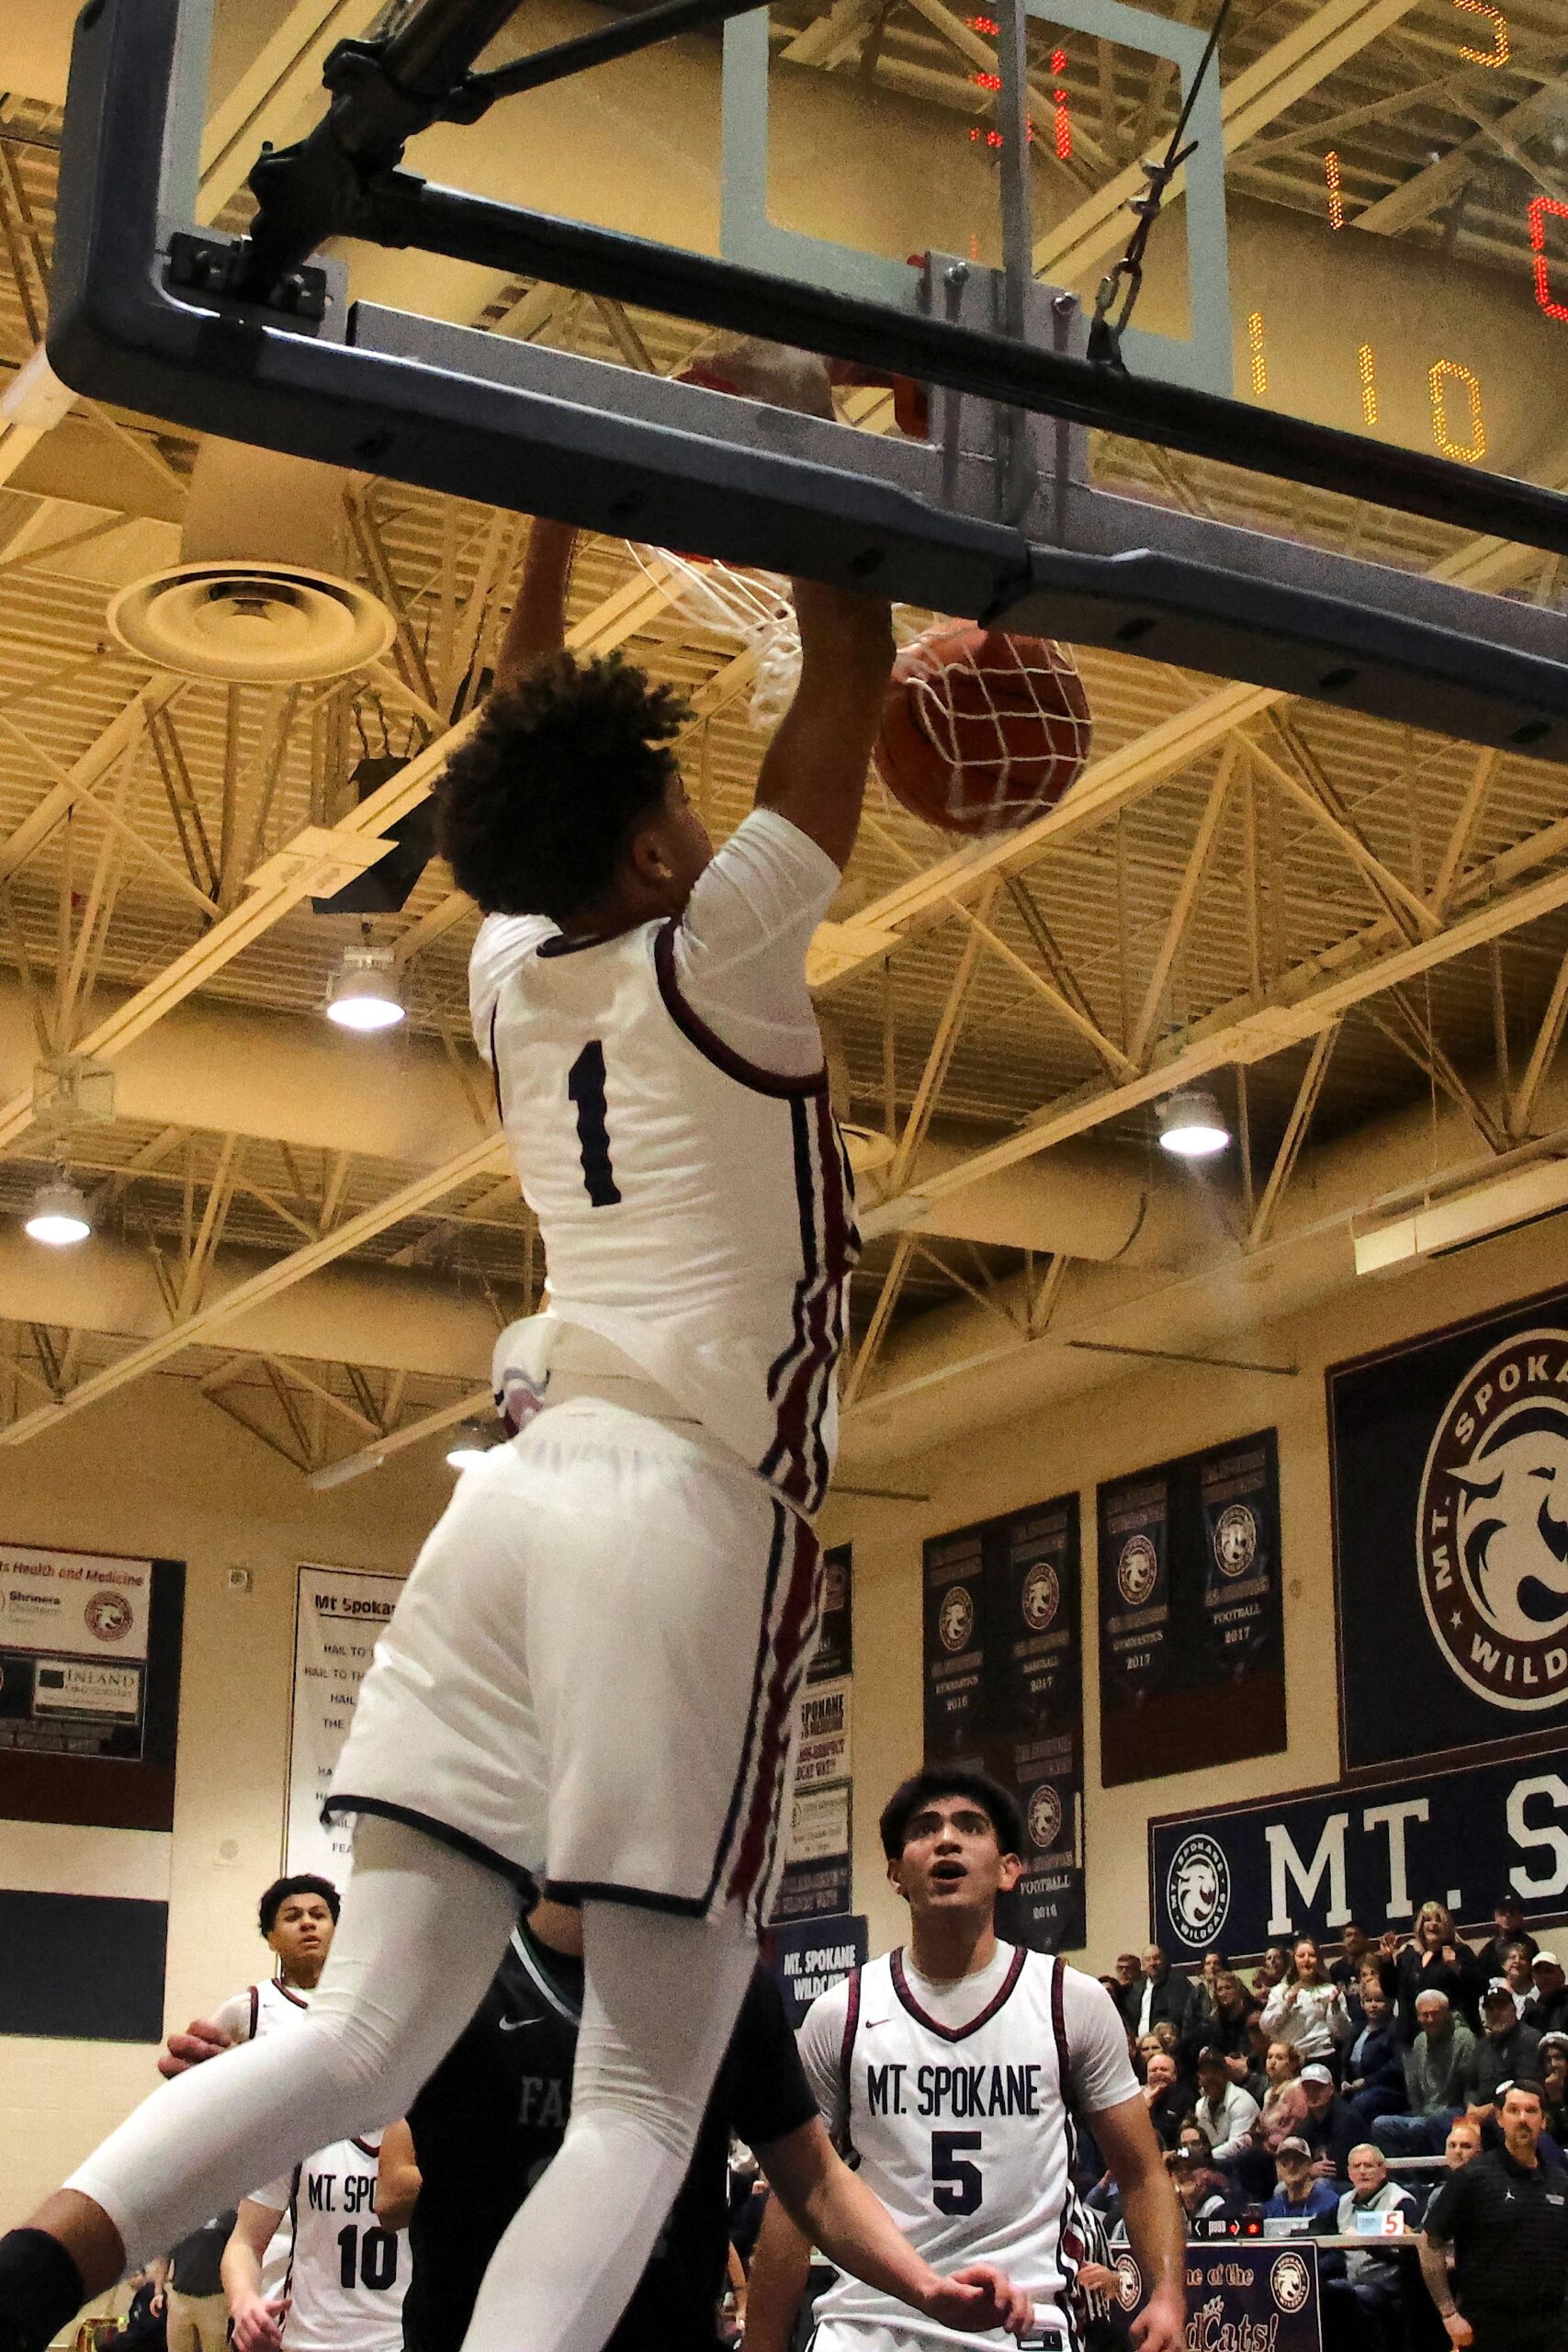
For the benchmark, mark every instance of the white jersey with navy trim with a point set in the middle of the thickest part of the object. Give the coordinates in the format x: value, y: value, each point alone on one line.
x: 348, y: 2277
x: 695, y: 1205
x: 965, y: 2130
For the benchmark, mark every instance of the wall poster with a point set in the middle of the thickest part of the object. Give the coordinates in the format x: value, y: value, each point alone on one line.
x: 90, y: 1647
x: 1004, y: 1689
x: 1449, y: 1471
x: 1191, y: 1641
x: 338, y: 1613
x: 816, y: 1880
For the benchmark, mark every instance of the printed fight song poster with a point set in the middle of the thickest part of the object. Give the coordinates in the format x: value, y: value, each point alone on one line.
x: 1035, y: 1581
x: 338, y: 1614
x: 1004, y: 1690
x: 1449, y: 1465
x: 957, y: 1719
x: 1191, y: 1641
x: 89, y: 1710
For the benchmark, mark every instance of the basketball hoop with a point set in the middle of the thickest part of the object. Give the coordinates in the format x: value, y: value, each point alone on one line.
x: 753, y: 607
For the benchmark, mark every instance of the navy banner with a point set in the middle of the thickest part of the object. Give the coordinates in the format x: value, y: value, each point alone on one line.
x: 835, y: 1653
x: 1451, y: 1537
x: 809, y: 1959
x: 1256, y: 2296
x: 1307, y: 1863
x: 956, y: 1714
x: 1004, y: 1689
x: 1191, y: 1644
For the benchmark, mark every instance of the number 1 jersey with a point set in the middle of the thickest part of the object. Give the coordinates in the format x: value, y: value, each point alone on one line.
x: 957, y: 2104
x: 665, y: 1102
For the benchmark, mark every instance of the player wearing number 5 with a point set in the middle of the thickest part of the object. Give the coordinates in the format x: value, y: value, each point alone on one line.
x: 955, y: 2073
x: 345, y: 2288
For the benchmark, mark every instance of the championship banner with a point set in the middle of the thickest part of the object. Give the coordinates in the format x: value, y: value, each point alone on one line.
x: 1449, y: 1463
x: 1033, y: 1579
x: 1191, y: 1633
x: 835, y: 1654
x: 1260, y: 2296
x: 338, y: 1614
x: 956, y: 1714
x: 89, y: 1711
x: 1241, y: 1560
x: 1134, y: 1591
x: 1303, y: 1863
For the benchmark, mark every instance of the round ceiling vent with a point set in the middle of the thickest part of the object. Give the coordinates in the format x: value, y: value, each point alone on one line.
x: 251, y: 623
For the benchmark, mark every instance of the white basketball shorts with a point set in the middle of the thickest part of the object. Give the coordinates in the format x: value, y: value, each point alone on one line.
x: 589, y: 1681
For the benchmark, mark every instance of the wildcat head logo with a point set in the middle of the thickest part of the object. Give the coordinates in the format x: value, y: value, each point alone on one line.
x: 1198, y: 1889
x: 109, y: 1616
x: 1137, y: 1570
x: 956, y: 1621
x: 1129, y: 2282
x: 1045, y: 1818
x: 1042, y: 1595
x: 1491, y: 1535
x: 1290, y: 2282
x: 1235, y: 1540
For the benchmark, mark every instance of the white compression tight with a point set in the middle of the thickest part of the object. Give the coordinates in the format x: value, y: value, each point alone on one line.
x: 421, y: 1932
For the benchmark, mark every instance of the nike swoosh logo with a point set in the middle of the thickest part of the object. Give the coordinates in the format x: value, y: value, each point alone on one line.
x: 518, y: 2025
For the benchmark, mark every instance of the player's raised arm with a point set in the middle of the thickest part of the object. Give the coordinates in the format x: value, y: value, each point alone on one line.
x: 1154, y: 2230
x: 814, y: 770
x: 536, y: 630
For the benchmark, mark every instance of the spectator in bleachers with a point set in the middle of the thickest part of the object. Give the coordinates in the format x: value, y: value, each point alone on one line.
x: 1309, y: 2012
x: 1517, y: 1975
x: 1436, y: 1960
x: 1374, y: 2058
x: 1554, y: 2081
x: 1507, y: 2049
x: 1205, y: 2194
x: 1227, y: 2112
x: 1508, y: 1920
x: 1201, y: 2008
x: 1276, y: 1967
x: 1164, y: 2096
x: 1129, y: 1975
x: 1548, y: 2012
x: 1284, y: 2102
x: 1372, y: 2274
x: 1298, y: 2194
x: 1436, y: 2065
x: 1224, y: 2026
x: 1329, y: 2128
x: 1162, y: 1998
x: 1354, y: 1946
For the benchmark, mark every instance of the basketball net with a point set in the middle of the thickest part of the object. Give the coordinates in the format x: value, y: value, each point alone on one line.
x: 988, y: 723
x: 753, y: 607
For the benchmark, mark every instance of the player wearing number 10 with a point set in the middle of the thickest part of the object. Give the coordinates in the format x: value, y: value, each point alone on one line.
x: 347, y: 2276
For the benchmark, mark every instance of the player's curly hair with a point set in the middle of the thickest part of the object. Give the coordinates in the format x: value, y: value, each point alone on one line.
x: 538, y: 806
x: 924, y: 1788
x: 303, y: 1883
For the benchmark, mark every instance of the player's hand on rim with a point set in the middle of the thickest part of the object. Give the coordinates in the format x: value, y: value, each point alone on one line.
x: 979, y: 2299
x: 258, y: 2323
x: 1161, y: 2325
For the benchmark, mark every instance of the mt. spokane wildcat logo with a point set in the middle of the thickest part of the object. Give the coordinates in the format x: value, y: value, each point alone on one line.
x: 1492, y: 1525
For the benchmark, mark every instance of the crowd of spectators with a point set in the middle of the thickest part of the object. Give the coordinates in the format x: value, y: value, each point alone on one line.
x: 1284, y: 2092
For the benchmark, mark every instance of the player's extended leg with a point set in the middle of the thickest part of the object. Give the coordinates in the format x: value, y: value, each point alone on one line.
x: 423, y: 1929
x: 661, y: 1998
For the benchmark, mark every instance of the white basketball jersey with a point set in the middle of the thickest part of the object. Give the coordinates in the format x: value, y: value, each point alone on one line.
x: 696, y: 1211
x: 349, y: 2276
x: 965, y: 2135
x: 268, y: 2007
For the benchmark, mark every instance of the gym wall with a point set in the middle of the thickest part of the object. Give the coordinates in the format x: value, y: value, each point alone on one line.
x: 1107, y: 1434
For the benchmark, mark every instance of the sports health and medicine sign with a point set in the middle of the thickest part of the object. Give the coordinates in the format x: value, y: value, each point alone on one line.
x: 1305, y: 1863
x: 1450, y: 1533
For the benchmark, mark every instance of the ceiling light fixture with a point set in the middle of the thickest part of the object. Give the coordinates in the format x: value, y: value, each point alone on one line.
x: 58, y: 1215
x: 364, y: 994
x: 1192, y: 1124
x: 471, y: 1441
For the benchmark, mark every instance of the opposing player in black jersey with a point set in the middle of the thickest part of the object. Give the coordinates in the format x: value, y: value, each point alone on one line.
x: 492, y: 2116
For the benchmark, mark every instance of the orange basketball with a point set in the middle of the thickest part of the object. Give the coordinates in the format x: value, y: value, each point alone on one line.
x: 981, y: 731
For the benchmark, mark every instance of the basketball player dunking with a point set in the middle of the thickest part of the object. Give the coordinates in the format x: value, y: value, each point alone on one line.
x: 955, y: 2072
x: 588, y: 1679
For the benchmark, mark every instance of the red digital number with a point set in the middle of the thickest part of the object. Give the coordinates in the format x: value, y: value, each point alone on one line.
x: 1539, y: 208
